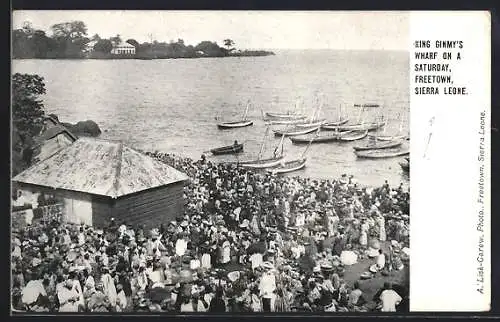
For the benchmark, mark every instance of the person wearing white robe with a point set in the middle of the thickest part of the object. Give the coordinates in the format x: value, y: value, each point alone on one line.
x: 267, y: 286
x: 226, y: 252
x: 68, y: 298
x: 121, y: 299
x: 180, y: 247
x: 390, y: 299
x: 206, y: 261
x: 109, y: 287
x: 32, y: 291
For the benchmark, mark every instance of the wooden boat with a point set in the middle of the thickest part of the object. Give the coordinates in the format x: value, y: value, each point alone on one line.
x: 236, y: 124
x: 296, y: 131
x: 262, y: 163
x: 355, y: 127
x: 336, y: 123
x: 287, y: 116
x: 388, y: 137
x: 267, y: 162
x: 284, y: 116
x: 321, y: 138
x: 377, y: 145
x: 230, y: 149
x: 354, y: 135
x: 384, y: 153
x: 316, y: 122
x: 294, y: 165
x: 289, y: 166
x: 367, y: 105
x: 284, y: 122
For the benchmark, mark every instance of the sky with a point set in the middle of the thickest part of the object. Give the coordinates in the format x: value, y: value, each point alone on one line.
x: 248, y: 29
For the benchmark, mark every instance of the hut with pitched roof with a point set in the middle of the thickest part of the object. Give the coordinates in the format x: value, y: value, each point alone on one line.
x: 98, y: 179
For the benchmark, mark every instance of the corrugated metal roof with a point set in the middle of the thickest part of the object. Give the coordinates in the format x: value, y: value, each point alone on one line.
x: 100, y: 167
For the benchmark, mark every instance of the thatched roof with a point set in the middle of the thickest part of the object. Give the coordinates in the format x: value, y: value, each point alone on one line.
x: 100, y: 167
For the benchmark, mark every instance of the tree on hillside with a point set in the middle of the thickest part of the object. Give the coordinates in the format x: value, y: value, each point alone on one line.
x: 228, y: 43
x: 27, y: 115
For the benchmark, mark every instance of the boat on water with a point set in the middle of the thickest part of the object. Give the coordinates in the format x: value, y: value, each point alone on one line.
x: 265, y: 163
x: 320, y: 138
x: 236, y: 124
x: 296, y: 131
x: 286, y: 116
x: 374, y: 144
x: 383, y: 153
x: 294, y: 165
x: 354, y: 127
x: 229, y: 149
x: 335, y: 123
x: 367, y: 105
x: 353, y: 135
x: 283, y: 116
x: 388, y: 137
x: 289, y: 166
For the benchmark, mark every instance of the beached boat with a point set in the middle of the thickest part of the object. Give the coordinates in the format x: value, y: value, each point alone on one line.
x: 230, y: 149
x: 384, y: 153
x: 294, y: 165
x: 355, y: 127
x: 353, y: 135
x: 289, y: 166
x: 267, y: 162
x: 378, y: 145
x: 295, y: 131
x: 236, y: 124
x: 320, y: 138
x: 262, y: 163
x: 317, y: 122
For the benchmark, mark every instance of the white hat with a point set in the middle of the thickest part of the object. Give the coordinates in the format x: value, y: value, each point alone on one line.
x: 267, y: 265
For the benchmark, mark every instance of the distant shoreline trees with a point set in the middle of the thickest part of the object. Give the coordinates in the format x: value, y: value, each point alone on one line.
x: 70, y: 40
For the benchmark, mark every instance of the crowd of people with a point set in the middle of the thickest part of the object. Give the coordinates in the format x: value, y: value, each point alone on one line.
x: 247, y: 242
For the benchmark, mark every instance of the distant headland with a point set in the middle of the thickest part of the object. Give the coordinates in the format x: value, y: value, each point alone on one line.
x: 69, y: 40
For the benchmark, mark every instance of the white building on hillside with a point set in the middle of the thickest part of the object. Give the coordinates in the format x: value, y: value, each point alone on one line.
x: 124, y: 48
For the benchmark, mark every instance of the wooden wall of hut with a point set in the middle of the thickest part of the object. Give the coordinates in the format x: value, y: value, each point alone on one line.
x: 152, y: 207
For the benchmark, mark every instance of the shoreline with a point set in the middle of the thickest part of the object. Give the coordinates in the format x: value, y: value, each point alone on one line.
x: 141, y: 58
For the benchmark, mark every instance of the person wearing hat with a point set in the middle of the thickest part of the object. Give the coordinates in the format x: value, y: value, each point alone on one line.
x: 68, y: 297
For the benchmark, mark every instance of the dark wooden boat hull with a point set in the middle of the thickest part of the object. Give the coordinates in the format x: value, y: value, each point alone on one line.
x: 354, y: 127
x: 233, y: 125
x: 230, y: 149
x: 318, y: 139
x: 378, y: 146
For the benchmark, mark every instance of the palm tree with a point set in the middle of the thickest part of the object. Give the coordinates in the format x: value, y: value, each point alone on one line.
x: 229, y: 43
